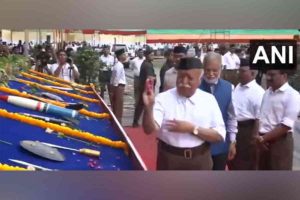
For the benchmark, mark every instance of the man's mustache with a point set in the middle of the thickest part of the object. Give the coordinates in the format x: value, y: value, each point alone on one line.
x: 184, y: 85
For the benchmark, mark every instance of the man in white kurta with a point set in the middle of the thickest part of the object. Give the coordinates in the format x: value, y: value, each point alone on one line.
x: 135, y: 65
x: 186, y: 120
x: 247, y: 98
x: 118, y: 82
x: 63, y: 69
x: 279, y: 111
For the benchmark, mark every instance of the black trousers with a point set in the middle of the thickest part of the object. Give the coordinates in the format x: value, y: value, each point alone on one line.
x: 139, y: 107
x: 219, y: 161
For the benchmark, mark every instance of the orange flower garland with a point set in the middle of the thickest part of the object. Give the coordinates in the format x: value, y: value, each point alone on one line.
x: 59, y: 79
x: 65, y: 130
x: 75, y: 96
x: 57, y: 103
x: 93, y: 114
x: 5, y: 167
x: 53, y: 82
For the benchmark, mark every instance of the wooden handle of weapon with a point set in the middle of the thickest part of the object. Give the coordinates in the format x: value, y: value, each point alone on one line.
x: 90, y: 152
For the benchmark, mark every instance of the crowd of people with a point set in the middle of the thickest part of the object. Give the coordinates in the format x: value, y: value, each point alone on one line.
x: 211, y: 112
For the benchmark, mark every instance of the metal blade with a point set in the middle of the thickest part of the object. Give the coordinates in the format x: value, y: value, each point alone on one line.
x: 29, y: 164
x: 59, y: 147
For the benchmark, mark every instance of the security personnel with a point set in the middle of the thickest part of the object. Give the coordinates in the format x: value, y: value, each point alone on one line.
x: 117, y: 85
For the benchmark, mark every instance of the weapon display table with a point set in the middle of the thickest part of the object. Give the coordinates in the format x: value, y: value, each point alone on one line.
x: 12, y: 132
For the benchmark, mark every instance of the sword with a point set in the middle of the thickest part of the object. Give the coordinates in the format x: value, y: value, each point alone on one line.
x: 29, y: 164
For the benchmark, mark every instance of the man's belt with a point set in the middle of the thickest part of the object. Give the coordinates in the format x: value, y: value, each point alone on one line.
x: 249, y: 122
x: 188, y: 153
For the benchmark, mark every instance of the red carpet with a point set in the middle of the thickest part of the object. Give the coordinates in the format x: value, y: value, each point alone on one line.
x: 145, y: 144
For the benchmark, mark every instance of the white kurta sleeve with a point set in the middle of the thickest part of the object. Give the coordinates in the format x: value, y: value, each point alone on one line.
x: 232, y: 120
x: 158, y: 110
x: 292, y: 109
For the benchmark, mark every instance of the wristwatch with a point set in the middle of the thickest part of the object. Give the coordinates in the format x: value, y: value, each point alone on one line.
x: 196, y: 131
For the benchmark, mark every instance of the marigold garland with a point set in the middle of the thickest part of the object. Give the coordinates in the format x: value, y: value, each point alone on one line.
x: 59, y: 79
x: 93, y: 114
x: 53, y: 82
x: 57, y: 103
x: 5, y: 167
x: 75, y: 96
x: 65, y: 130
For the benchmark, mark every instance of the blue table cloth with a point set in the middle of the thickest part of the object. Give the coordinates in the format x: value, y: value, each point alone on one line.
x: 14, y: 131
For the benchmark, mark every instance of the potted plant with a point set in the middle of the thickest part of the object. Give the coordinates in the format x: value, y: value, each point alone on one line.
x: 11, y: 66
x: 87, y: 61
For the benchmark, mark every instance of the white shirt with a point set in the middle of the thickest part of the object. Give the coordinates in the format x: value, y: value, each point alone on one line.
x: 118, y: 74
x: 281, y: 106
x: 247, y: 100
x: 200, y: 109
x: 109, y: 61
x: 65, y: 71
x: 231, y: 61
x: 223, y: 66
x: 170, y: 78
x: 136, y: 64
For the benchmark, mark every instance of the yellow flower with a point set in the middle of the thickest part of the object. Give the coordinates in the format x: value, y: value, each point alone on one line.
x: 5, y: 167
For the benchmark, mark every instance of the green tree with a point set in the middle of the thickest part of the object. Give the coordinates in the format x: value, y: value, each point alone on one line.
x: 88, y: 64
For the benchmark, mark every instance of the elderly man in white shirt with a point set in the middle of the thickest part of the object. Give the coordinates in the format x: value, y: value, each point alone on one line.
x: 279, y: 111
x: 118, y: 82
x: 247, y: 98
x: 186, y: 119
x: 222, y: 91
x: 135, y: 65
x: 63, y: 69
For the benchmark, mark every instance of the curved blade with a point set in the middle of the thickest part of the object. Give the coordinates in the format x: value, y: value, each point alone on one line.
x: 42, y: 150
